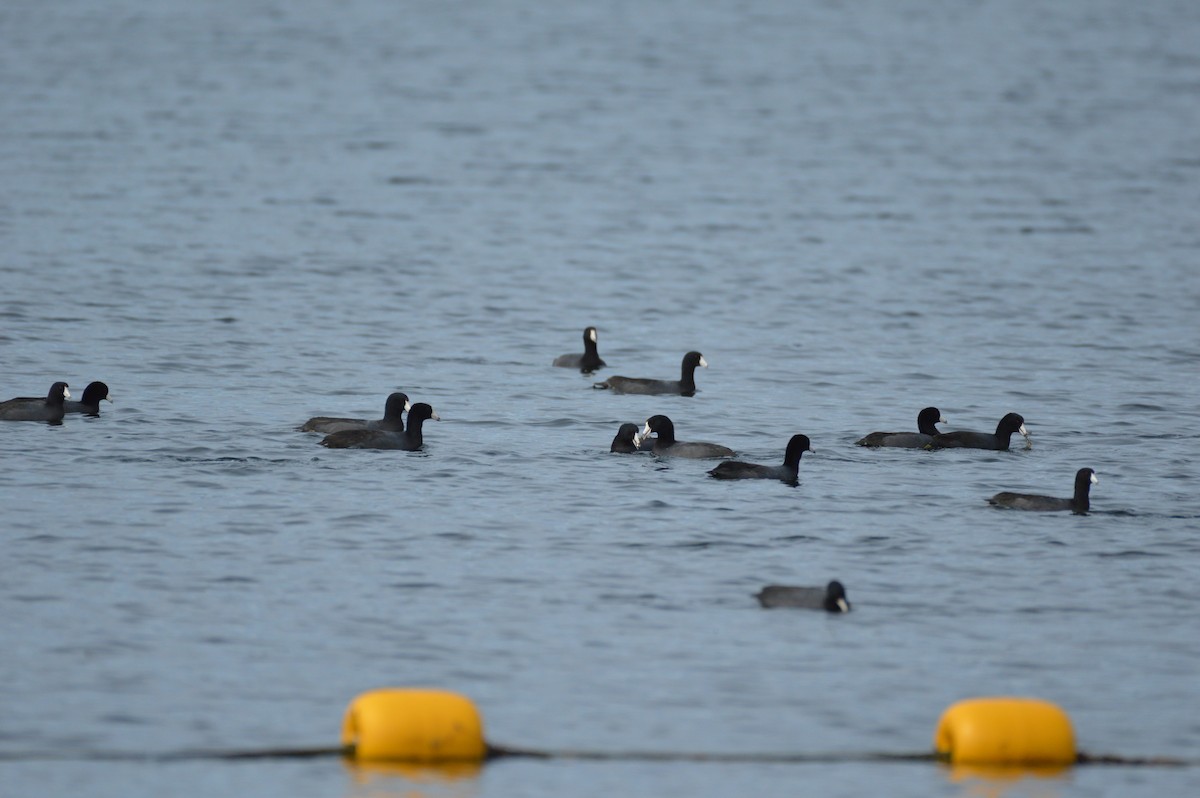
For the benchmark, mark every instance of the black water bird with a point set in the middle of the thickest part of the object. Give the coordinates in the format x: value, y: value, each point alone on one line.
x: 25, y: 408
x: 587, y: 362
x: 625, y: 441
x: 664, y: 442
x: 409, y: 440
x: 684, y: 386
x: 788, y: 472
x: 964, y: 439
x: 89, y: 402
x: 1079, y: 503
x: 831, y: 598
x: 927, y: 430
x: 392, y: 421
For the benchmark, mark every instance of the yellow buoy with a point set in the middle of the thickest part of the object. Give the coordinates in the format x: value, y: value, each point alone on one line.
x: 1005, y: 731
x: 413, y: 725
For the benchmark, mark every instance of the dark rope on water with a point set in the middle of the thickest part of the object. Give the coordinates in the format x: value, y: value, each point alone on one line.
x: 1140, y: 761
x: 272, y: 753
x: 496, y: 752
x: 502, y: 752
x: 174, y: 756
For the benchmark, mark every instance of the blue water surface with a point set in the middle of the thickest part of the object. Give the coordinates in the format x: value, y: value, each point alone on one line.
x: 240, y: 215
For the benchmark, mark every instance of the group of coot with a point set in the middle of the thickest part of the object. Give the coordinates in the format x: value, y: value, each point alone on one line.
x: 55, y: 404
x: 388, y: 432
x: 657, y: 437
x: 629, y: 440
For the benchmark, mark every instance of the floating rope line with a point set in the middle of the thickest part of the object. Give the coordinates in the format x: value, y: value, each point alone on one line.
x: 496, y: 752
x: 434, y: 728
x: 504, y: 752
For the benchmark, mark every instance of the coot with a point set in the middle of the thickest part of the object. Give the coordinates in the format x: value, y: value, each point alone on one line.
x: 788, y: 472
x: 626, y: 440
x: 589, y: 361
x: 392, y: 421
x: 409, y: 440
x: 684, y: 386
x: 831, y: 599
x: 665, y: 443
x: 926, y: 432
x: 24, y: 408
x: 982, y: 440
x: 1079, y: 503
x: 89, y: 403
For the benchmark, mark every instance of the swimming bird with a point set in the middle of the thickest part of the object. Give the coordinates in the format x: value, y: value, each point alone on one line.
x: 409, y: 440
x: 25, y: 408
x: 831, y: 599
x: 89, y: 403
x: 392, y: 421
x: 1079, y: 503
x: 684, y: 386
x: 665, y: 444
x: 589, y: 361
x: 626, y: 440
x: 788, y: 472
x: 926, y: 432
x: 982, y: 440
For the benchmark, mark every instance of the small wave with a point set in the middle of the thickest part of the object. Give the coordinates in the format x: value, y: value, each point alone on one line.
x: 124, y: 719
x: 44, y: 537
x: 714, y: 544
x: 35, y: 598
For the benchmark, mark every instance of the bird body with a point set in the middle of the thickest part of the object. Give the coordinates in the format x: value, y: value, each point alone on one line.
x: 927, y: 430
x: 1079, y: 503
x: 684, y: 386
x: 587, y: 362
x: 965, y: 439
x: 25, y: 408
x: 409, y: 440
x: 788, y: 472
x: 831, y: 598
x: 664, y: 444
x: 392, y: 421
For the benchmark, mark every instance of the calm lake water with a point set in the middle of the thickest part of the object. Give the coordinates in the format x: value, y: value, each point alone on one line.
x: 240, y: 215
